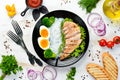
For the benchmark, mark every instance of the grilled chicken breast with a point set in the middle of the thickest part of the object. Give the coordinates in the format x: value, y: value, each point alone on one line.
x: 72, y: 38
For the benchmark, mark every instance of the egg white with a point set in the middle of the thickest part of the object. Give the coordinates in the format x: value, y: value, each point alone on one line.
x: 39, y: 39
x: 44, y: 27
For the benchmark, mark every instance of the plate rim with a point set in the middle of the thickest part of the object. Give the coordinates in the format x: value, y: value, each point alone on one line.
x: 78, y: 23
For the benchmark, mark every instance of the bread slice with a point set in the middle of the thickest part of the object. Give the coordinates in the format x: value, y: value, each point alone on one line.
x: 97, y: 72
x: 110, y: 65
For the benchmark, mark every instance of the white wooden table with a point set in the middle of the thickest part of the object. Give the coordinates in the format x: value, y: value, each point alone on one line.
x: 93, y: 49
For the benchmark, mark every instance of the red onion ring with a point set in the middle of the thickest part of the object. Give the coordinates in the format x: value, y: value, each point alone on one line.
x: 96, y: 22
x: 101, y: 26
x: 48, y: 73
x: 94, y: 19
x: 100, y: 29
x: 32, y: 75
x: 100, y: 32
x: 49, y: 70
x: 40, y: 74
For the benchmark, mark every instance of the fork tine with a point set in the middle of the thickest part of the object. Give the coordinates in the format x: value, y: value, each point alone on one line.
x: 8, y: 33
x: 18, y: 41
x: 18, y: 27
x: 13, y: 36
x: 14, y: 25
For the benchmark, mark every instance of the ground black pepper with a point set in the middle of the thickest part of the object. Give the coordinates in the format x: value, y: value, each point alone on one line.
x: 92, y: 59
x: 111, y: 22
x: 28, y: 23
x: 84, y: 77
x: 119, y: 29
x: 115, y: 31
x: 65, y: 2
x: 99, y: 61
x: 89, y: 54
x: 7, y: 45
x: 98, y: 51
x: 89, y: 50
x: 21, y: 76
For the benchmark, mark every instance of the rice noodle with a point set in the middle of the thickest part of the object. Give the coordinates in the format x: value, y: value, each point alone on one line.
x: 55, y: 35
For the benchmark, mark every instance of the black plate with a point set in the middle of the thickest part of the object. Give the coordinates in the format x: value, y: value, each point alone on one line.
x: 39, y: 51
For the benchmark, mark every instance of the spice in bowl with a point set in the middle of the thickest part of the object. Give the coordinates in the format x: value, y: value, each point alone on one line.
x: 34, y: 3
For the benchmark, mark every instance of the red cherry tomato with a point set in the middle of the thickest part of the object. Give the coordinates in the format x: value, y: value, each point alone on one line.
x: 116, y: 39
x: 102, y: 42
x: 110, y: 44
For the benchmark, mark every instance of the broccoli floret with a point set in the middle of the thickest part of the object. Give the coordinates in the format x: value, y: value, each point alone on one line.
x: 48, y: 54
x: 68, y: 19
x: 52, y: 19
x: 48, y: 21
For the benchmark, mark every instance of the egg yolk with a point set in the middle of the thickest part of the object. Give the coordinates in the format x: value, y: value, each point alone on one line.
x: 44, y: 33
x: 44, y: 43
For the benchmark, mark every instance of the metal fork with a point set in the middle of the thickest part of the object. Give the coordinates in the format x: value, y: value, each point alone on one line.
x: 19, y: 32
x: 17, y: 28
x: 18, y: 41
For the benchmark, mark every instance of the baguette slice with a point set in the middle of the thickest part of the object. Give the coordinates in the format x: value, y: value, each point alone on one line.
x: 110, y: 65
x: 97, y: 72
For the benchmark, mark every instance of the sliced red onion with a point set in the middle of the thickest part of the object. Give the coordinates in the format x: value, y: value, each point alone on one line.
x: 32, y: 75
x: 94, y: 19
x: 100, y: 32
x: 40, y: 74
x: 96, y: 22
x: 101, y: 26
x: 49, y: 73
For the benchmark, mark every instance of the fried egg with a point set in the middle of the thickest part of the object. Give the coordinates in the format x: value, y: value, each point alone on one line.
x: 43, y: 43
x: 44, y: 32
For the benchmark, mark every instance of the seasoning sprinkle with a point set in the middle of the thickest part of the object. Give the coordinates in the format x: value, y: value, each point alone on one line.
x: 65, y: 2
x: 84, y: 77
x: 89, y: 55
x: 7, y: 45
x: 115, y: 31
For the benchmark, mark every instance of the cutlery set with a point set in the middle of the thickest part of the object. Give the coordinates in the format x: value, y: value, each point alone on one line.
x: 18, y: 39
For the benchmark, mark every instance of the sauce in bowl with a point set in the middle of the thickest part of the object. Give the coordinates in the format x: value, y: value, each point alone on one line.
x: 34, y: 3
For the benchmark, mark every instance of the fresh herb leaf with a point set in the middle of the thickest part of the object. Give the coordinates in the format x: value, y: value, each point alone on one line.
x: 71, y: 74
x: 70, y: 78
x: 88, y: 4
x: 9, y: 65
x: 63, y: 35
x: 66, y: 19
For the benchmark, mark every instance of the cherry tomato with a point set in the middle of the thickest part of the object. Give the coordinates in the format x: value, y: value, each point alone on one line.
x: 110, y: 44
x: 116, y: 39
x: 102, y: 42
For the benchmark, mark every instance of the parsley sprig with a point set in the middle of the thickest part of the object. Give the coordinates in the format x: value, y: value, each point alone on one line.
x: 9, y: 65
x: 88, y: 4
x: 71, y: 74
